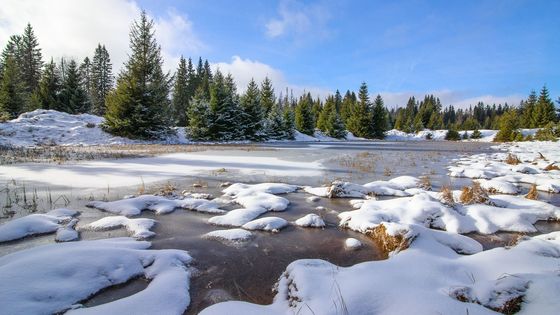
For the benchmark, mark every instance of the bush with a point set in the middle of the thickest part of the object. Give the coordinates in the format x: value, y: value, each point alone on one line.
x: 476, y: 134
x: 465, y: 135
x: 429, y: 136
x: 550, y: 132
x: 452, y: 135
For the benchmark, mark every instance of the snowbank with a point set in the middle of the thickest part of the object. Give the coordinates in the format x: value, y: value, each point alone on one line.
x: 437, y: 135
x: 53, y: 278
x: 34, y: 224
x: 139, y: 228
x: 270, y: 224
x: 481, y: 282
x: 399, y: 186
x: 231, y: 236
x: 310, y: 220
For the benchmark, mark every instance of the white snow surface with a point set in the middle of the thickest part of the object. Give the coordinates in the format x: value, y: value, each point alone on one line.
x: 158, y: 204
x: 36, y: 223
x: 139, y: 227
x: 53, y: 278
x: 68, y: 232
x: 352, y: 243
x: 397, y: 186
x: 229, y: 236
x: 237, y: 217
x: 310, y: 220
x: 511, y: 213
x: 485, y: 279
x: 531, y: 170
x: 270, y: 224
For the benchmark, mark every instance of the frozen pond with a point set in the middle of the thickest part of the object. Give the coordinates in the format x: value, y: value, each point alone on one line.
x: 249, y: 270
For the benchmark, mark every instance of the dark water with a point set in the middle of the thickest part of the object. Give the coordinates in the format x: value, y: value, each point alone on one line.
x: 248, y: 272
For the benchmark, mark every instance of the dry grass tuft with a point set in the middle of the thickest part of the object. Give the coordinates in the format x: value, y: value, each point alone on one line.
x: 474, y: 194
x: 533, y: 193
x: 167, y: 190
x: 512, y: 159
x: 425, y: 183
x: 542, y: 157
x: 389, y: 243
x: 447, y: 196
x: 552, y: 167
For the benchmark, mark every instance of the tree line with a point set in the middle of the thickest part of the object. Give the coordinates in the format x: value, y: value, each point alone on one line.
x: 146, y: 102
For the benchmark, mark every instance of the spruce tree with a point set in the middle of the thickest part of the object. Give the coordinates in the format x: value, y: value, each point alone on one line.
x: 225, y: 113
x: 12, y: 90
x: 252, y: 118
x: 359, y: 123
x: 323, y: 117
x: 73, y: 98
x: 268, y: 99
x: 198, y: 116
x: 32, y: 60
x: 181, y: 95
x: 379, y: 119
x: 101, y: 79
x: 528, y: 111
x: 289, y: 123
x: 86, y: 80
x: 545, y: 111
x: 336, y: 128
x: 138, y: 106
x: 509, y: 123
x: 347, y: 106
x: 304, y: 115
x: 275, y: 125
x: 49, y: 87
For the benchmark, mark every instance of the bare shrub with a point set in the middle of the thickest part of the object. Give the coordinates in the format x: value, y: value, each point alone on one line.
x: 389, y: 243
x: 474, y: 194
x: 533, y: 193
x: 552, y: 167
x: 425, y: 183
x: 512, y: 159
x: 446, y: 196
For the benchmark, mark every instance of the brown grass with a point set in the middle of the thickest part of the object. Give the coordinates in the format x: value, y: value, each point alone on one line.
x: 389, y: 243
x: 542, y: 157
x: 474, y: 194
x: 512, y: 159
x: 533, y: 193
x: 447, y: 196
x: 552, y: 167
x: 425, y: 183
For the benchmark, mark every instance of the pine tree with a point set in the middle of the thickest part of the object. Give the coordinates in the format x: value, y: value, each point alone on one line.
x: 86, y: 81
x: 336, y: 128
x: 289, y: 123
x: 316, y: 110
x: 275, y: 125
x: 528, y: 111
x: 73, y: 98
x: 508, y: 127
x: 379, y: 119
x: 181, y: 95
x: 198, y: 115
x: 359, y: 123
x: 49, y: 87
x: 101, y: 79
x: 225, y: 113
x: 347, y: 106
x: 323, y: 117
x: 545, y: 111
x: 12, y: 90
x: 137, y: 107
x: 304, y: 115
x: 268, y: 99
x: 32, y: 62
x: 252, y: 118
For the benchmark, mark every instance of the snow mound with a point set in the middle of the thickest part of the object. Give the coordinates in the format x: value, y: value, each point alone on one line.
x: 352, y: 243
x: 510, y: 213
x: 437, y: 135
x: 237, y: 217
x: 140, y: 227
x: 58, y: 276
x: 68, y: 232
x: 34, y: 224
x: 498, y: 186
x: 229, y: 236
x: 533, y: 166
x: 50, y: 127
x: 310, y: 220
x: 270, y: 224
x: 481, y: 282
x: 158, y: 204
x: 401, y: 186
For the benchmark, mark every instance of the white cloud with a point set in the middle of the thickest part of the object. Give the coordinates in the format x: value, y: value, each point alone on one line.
x: 299, y: 20
x: 243, y: 70
x: 72, y: 28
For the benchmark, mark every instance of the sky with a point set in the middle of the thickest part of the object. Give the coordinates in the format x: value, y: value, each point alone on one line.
x: 462, y: 51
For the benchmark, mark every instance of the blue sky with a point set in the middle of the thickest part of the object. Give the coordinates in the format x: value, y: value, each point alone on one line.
x: 461, y: 50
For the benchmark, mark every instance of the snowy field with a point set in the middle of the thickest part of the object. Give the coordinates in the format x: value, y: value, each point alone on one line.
x: 303, y: 227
